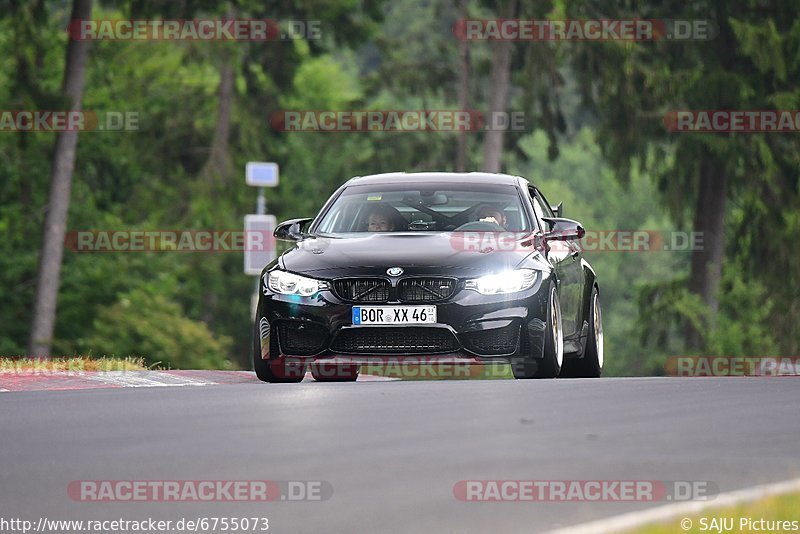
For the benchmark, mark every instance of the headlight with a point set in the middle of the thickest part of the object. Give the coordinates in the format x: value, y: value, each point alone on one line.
x: 293, y: 284
x: 504, y: 282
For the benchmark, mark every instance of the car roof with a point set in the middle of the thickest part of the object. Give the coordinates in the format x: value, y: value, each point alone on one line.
x: 441, y: 177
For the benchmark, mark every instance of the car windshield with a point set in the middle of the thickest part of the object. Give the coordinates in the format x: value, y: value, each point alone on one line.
x: 425, y: 208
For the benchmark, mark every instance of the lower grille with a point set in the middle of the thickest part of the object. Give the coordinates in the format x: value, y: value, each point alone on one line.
x: 426, y: 289
x: 494, y: 341
x: 362, y: 289
x: 300, y: 338
x: 395, y: 340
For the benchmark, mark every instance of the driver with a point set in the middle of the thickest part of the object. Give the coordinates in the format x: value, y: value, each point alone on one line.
x: 381, y: 218
x: 492, y: 214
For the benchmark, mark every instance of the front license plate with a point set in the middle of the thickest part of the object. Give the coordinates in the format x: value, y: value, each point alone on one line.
x: 393, y: 314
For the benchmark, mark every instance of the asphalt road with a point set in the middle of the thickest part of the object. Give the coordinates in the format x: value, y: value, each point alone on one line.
x: 392, y: 451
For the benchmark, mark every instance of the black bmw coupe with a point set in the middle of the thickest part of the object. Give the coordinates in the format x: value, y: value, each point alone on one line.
x: 430, y: 267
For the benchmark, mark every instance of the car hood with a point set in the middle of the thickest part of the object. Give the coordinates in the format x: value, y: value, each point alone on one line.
x: 456, y: 254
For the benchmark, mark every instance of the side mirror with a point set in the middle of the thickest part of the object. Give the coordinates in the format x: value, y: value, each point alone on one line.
x: 291, y: 230
x: 558, y: 210
x: 563, y: 229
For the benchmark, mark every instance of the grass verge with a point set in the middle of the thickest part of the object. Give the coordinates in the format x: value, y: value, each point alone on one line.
x: 744, y: 517
x: 71, y: 364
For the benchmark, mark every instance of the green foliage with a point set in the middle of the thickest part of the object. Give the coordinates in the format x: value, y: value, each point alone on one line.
x: 744, y: 325
x: 741, y: 327
x: 149, y: 325
x: 665, y: 307
x: 752, y: 64
x: 323, y: 83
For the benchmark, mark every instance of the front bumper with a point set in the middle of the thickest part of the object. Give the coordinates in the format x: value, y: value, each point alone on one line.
x: 471, y: 326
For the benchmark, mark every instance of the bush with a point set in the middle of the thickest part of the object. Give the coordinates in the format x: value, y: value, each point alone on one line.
x: 149, y: 325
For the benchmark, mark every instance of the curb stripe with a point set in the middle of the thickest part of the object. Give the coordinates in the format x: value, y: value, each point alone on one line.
x: 76, y: 380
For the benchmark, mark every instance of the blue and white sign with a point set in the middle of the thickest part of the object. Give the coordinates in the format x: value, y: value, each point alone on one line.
x: 261, y: 174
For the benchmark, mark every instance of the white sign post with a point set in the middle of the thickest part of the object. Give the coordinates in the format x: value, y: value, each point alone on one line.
x: 259, y: 243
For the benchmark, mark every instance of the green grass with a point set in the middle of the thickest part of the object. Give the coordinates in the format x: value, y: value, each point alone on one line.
x: 778, y: 508
x: 72, y: 364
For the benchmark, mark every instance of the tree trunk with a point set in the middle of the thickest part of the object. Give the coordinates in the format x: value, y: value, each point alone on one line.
x: 498, y: 97
x: 55, y: 223
x: 218, y: 165
x: 463, y: 91
x: 709, y: 219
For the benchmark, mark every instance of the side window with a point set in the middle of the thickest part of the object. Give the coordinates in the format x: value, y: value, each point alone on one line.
x: 538, y: 209
x: 548, y: 212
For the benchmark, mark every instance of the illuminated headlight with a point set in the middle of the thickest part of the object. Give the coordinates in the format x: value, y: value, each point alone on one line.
x: 293, y: 284
x: 504, y: 282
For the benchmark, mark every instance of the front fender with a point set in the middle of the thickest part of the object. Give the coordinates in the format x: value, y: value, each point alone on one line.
x: 590, y: 281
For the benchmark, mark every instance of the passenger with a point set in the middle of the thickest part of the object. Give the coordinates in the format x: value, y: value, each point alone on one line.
x: 492, y: 214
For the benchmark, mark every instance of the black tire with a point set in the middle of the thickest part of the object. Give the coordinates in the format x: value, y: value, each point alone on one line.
x: 550, y: 365
x: 591, y: 364
x: 275, y: 370
x: 333, y: 372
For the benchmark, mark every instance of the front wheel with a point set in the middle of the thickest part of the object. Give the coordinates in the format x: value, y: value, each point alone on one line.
x: 550, y: 364
x: 591, y: 365
x: 275, y: 369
